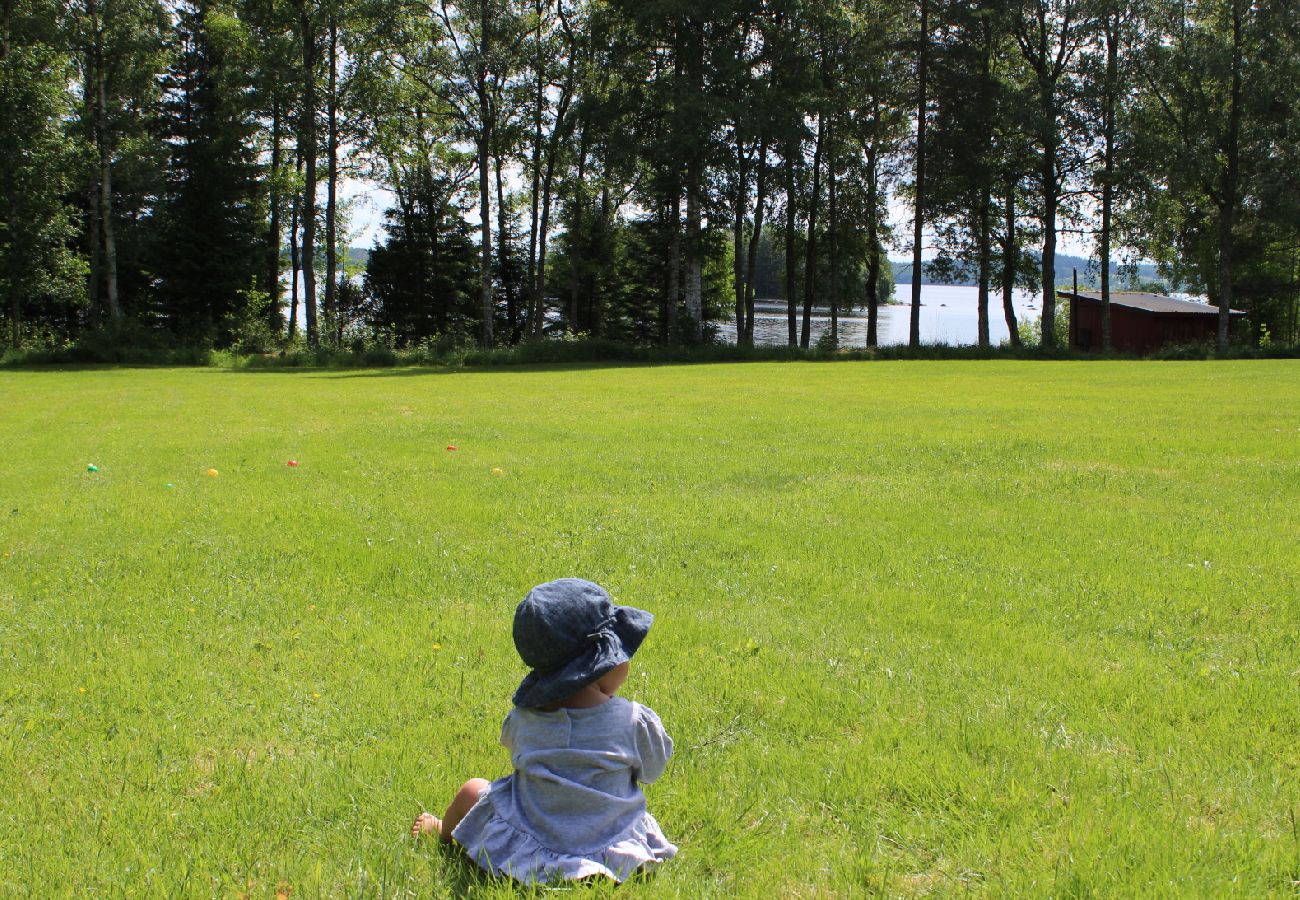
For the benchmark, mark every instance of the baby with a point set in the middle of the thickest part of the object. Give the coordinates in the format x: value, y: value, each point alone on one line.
x: 573, y: 807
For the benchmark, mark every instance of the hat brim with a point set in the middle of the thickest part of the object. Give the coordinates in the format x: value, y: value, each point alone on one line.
x: 613, y: 649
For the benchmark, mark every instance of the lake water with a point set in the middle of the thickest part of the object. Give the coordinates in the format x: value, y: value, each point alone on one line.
x: 949, y: 315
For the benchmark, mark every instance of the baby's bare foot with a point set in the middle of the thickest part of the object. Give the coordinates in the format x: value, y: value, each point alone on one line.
x: 426, y: 823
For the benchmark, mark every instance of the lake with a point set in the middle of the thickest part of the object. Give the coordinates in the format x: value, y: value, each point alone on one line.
x: 949, y: 315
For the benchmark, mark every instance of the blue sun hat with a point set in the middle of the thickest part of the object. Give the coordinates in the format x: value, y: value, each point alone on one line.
x: 571, y: 633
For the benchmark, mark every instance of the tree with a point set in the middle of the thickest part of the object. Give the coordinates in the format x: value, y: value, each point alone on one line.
x: 39, y: 274
x: 308, y: 148
x: 208, y: 229
x: 968, y: 41
x: 1209, y: 69
x: 876, y: 73
x: 1050, y: 35
x: 121, y: 49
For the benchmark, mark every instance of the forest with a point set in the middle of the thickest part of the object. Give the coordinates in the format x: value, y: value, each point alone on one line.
x: 174, y: 170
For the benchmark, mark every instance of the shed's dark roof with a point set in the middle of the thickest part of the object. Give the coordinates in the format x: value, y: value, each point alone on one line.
x: 1157, y: 303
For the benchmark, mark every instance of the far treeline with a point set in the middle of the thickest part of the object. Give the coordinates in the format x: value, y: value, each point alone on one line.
x: 172, y: 169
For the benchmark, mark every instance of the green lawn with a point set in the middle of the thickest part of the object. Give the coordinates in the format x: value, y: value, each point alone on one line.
x: 990, y: 627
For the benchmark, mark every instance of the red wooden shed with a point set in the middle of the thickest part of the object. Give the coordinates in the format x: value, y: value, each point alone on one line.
x: 1141, y: 323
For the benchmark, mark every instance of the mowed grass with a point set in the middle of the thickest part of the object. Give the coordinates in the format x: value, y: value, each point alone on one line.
x: 922, y: 628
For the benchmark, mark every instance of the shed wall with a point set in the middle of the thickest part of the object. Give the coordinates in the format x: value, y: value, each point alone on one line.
x: 1135, y: 330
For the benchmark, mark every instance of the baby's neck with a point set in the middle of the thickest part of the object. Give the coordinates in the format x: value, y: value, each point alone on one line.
x: 584, y: 698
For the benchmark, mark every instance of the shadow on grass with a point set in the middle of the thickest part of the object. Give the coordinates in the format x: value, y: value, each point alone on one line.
x: 582, y: 355
x: 464, y: 879
x: 407, y: 371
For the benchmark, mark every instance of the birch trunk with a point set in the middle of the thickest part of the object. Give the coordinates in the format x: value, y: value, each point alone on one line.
x: 984, y: 266
x: 1108, y: 171
x: 791, y: 261
x: 105, y: 173
x: 833, y: 224
x: 738, y: 239
x: 503, y: 251
x: 810, y: 264
x: 333, y: 324
x: 674, y: 264
x: 294, y: 259
x: 1230, y: 185
x: 918, y: 216
x: 307, y: 127
x: 1009, y: 266
x: 760, y: 190
x: 485, y: 216
x: 694, y: 287
x: 273, y: 229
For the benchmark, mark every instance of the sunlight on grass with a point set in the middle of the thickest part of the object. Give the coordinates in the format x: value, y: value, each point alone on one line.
x: 999, y: 627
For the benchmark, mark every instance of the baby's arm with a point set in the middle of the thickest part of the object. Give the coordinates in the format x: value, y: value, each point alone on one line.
x: 654, y: 746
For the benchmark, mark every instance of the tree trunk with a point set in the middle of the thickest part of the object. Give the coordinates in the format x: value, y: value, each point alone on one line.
x: 95, y: 249
x: 810, y: 262
x: 760, y: 189
x: 485, y: 217
x: 485, y: 116
x: 738, y: 238
x: 918, y: 216
x: 674, y: 262
x: 503, y: 256
x: 791, y: 261
x: 578, y: 238
x: 833, y: 225
x: 1230, y: 186
x: 873, y: 234
x: 273, y: 230
x: 533, y: 310
x: 601, y: 284
x: 15, y: 307
x: 433, y: 209
x: 1009, y: 266
x: 984, y: 266
x: 1051, y: 196
x: 538, y: 287
x: 986, y: 175
x: 307, y: 126
x: 334, y: 326
x: 106, y: 182
x: 694, y: 293
x: 539, y: 290
x: 294, y: 259
x: 1108, y: 171
x: 15, y: 294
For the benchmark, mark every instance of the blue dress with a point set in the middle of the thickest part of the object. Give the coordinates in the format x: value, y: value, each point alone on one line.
x: 573, y: 807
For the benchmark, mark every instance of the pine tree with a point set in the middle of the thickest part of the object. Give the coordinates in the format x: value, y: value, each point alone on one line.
x: 208, y: 235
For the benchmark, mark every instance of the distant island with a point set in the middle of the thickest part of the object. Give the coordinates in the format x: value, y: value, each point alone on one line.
x: 1065, y: 268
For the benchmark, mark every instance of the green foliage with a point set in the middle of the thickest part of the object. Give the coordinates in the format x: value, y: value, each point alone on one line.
x: 249, y: 324
x: 631, y: 127
x: 40, y: 275
x: 208, y: 227
x: 1031, y: 330
x: 1215, y: 129
x: 422, y: 282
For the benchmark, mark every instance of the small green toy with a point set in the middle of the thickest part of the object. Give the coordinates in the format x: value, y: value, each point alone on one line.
x: 92, y: 468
